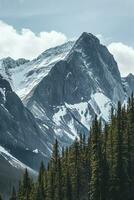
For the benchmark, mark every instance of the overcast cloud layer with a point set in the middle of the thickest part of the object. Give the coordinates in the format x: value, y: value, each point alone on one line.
x: 29, y: 45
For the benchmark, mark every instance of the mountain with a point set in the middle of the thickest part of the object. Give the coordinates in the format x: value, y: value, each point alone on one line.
x: 62, y: 90
x: 24, y: 143
x: 24, y: 76
x: 85, y: 83
x: 24, y: 140
x: 20, y: 132
x: 54, y: 96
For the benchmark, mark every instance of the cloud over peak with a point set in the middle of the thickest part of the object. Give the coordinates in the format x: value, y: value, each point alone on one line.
x: 29, y: 45
x: 26, y: 43
x: 124, y: 55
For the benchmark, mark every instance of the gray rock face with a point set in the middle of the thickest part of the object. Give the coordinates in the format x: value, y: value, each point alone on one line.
x: 20, y: 133
x: 11, y: 63
x: 72, y: 92
x: 88, y: 67
x: 24, y: 136
x: 25, y: 75
x: 11, y: 171
x: 128, y: 83
x: 94, y: 60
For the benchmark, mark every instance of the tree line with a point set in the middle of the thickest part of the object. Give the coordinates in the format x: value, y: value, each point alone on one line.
x: 101, y: 168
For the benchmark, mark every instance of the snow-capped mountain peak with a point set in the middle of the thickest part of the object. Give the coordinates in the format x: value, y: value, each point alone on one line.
x: 25, y: 78
x: 62, y: 89
x: 86, y: 82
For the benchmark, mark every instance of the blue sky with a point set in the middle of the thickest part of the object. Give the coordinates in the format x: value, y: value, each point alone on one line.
x: 112, y: 20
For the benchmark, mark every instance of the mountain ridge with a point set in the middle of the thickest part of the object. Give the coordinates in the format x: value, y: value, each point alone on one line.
x: 57, y: 95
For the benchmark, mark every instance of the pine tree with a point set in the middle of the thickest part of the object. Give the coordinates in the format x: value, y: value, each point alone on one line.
x: 118, y: 153
x: 65, y: 173
x: 40, y: 186
x: 111, y: 146
x: 105, y: 167
x: 83, y: 166
x: 131, y: 145
x: 96, y: 162
x: 68, y: 186
x: 25, y: 187
x: 74, y: 165
x: 58, y: 181
x: 50, y: 185
x: 100, y: 169
x: 53, y: 186
x: 55, y: 155
x: 13, y: 195
x: 117, y: 156
x: 125, y: 193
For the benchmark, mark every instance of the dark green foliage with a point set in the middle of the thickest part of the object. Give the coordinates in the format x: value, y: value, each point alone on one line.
x: 25, y: 187
x: 13, y: 195
x: 96, y: 182
x: 100, y: 169
x: 41, y: 185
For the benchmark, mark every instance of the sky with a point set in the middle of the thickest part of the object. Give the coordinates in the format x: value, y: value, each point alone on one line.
x: 28, y: 27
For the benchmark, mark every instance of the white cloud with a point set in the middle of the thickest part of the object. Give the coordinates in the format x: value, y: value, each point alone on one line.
x: 124, y: 55
x: 26, y: 43
x: 29, y: 45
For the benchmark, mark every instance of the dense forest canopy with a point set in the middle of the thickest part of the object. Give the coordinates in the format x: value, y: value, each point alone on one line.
x: 100, y: 169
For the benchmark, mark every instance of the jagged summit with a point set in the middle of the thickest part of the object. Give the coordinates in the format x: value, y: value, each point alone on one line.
x: 11, y: 63
x: 85, y: 41
x: 130, y: 75
x: 86, y: 82
x: 128, y: 83
x: 29, y: 73
x: 88, y: 37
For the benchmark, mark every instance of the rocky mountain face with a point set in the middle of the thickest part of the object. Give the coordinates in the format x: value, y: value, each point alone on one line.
x: 128, y: 83
x: 20, y: 132
x: 85, y: 83
x: 11, y: 171
x: 22, y: 136
x: 25, y: 75
x: 53, y: 96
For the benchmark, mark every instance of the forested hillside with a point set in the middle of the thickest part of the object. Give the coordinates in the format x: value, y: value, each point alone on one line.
x: 100, y: 169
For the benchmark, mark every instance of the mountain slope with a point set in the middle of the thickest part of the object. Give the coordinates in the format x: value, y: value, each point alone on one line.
x: 19, y: 131
x: 85, y: 83
x: 128, y: 83
x: 11, y: 170
x: 24, y: 143
x: 24, y: 75
x: 62, y: 91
